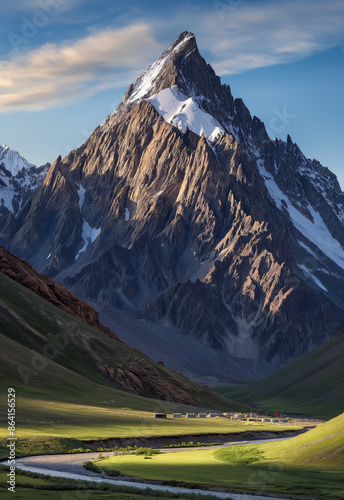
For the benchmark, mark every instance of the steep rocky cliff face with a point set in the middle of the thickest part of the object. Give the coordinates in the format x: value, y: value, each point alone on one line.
x: 185, y: 225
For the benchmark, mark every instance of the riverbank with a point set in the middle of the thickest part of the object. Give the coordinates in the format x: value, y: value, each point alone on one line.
x: 40, y: 465
x: 71, y: 467
x: 162, y: 441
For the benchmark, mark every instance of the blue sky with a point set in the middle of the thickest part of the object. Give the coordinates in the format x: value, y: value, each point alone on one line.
x: 65, y: 65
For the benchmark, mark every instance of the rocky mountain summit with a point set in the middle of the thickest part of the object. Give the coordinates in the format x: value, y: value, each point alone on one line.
x: 19, y: 180
x: 199, y: 239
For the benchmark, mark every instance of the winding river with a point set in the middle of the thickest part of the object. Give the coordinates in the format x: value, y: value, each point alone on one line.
x: 71, y: 466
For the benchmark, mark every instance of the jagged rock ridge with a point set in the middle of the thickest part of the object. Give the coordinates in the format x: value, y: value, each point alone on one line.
x: 181, y: 213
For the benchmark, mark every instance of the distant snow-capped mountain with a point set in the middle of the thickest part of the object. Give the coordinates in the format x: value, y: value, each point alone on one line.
x: 19, y: 180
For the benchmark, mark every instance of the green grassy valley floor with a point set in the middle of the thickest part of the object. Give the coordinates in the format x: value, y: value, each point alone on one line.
x: 45, y: 426
x: 308, y: 465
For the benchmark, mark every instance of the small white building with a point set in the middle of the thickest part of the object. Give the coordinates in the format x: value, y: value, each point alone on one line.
x: 202, y: 415
x: 177, y: 415
x: 191, y: 415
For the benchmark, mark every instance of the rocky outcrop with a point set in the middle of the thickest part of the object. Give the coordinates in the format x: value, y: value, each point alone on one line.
x: 142, y: 378
x: 22, y: 272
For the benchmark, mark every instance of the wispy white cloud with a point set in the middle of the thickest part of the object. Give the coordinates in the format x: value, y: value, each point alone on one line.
x: 247, y: 35
x: 243, y: 35
x: 20, y: 7
x: 53, y: 75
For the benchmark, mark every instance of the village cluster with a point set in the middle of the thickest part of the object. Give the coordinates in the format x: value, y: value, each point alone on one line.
x: 252, y: 417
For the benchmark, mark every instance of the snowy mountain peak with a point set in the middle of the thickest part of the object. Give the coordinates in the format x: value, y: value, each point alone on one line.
x: 19, y: 179
x: 182, y: 37
x: 186, y: 92
x: 186, y: 38
x: 146, y: 82
x: 12, y: 161
x: 155, y: 77
x: 184, y: 89
x: 184, y: 113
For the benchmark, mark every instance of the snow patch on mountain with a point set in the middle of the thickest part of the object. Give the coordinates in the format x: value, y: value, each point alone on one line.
x: 323, y: 185
x: 184, y: 113
x: 12, y: 161
x: 146, y: 81
x: 89, y: 235
x: 309, y: 250
x: 81, y: 194
x: 6, y: 197
x: 180, y: 44
x: 311, y: 276
x: 315, y: 231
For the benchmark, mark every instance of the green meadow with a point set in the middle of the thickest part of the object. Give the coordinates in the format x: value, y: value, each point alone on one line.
x: 58, y: 427
x: 309, y: 465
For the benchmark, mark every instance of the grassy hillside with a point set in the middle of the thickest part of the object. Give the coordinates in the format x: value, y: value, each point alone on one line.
x: 321, y: 447
x: 310, y: 385
x: 309, y: 465
x: 49, y: 341
x: 52, y: 360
